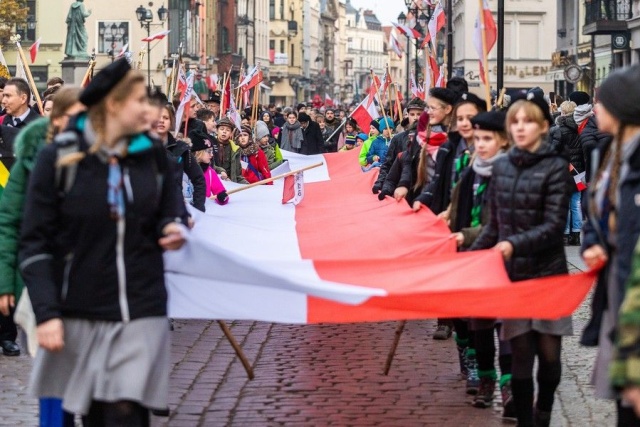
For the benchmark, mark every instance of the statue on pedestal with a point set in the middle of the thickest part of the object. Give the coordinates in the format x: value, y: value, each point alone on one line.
x: 76, y: 45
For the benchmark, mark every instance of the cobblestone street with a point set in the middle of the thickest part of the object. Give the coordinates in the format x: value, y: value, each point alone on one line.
x: 327, y: 375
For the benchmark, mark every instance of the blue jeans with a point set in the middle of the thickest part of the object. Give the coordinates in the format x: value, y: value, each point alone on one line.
x: 574, y: 219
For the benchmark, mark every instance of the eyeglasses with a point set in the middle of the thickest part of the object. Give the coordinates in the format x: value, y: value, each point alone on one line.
x: 430, y: 108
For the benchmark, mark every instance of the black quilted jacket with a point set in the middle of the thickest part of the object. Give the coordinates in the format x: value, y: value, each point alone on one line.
x: 529, y: 196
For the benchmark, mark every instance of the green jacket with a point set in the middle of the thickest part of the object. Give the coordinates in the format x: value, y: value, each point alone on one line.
x: 625, y: 365
x: 235, y: 171
x: 362, y: 158
x: 271, y: 153
x: 27, y: 145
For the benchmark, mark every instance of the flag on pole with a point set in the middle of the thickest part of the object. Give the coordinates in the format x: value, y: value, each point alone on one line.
x: 395, y: 45
x: 20, y: 72
x: 185, y: 101
x: 407, y: 31
x: 386, y: 81
x: 212, y: 82
x: 331, y: 274
x: 293, y: 189
x: 375, y: 83
x: 441, y: 80
x: 436, y: 23
x: 156, y: 36
x: 491, y: 35
x: 226, y: 97
x: 416, y: 91
x: 366, y: 111
x: 4, y: 68
x: 252, y: 79
x: 123, y: 51
x: 327, y: 100
x: 33, y: 50
x: 233, y: 114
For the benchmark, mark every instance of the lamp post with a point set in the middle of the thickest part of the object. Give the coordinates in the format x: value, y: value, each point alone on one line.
x: 423, y: 15
x: 145, y: 17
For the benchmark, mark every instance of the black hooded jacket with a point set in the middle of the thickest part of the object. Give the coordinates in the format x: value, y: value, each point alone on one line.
x: 187, y: 163
x: 591, y: 139
x: 529, y: 200
x: 564, y: 138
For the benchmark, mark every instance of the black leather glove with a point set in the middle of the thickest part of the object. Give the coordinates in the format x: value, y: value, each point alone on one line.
x: 383, y: 194
x: 376, y: 188
x: 222, y: 198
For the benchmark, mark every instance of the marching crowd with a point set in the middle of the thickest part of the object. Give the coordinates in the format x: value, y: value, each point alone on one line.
x: 100, y: 185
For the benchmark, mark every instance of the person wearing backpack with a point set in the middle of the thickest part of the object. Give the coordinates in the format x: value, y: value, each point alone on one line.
x: 91, y: 256
x: 564, y: 139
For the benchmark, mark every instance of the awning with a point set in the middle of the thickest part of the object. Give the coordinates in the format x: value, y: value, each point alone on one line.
x: 283, y: 89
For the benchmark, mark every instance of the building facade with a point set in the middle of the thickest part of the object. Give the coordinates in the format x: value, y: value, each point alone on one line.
x: 529, y: 40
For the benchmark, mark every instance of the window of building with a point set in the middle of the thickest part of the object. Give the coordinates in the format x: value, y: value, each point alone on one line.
x: 292, y: 56
x: 272, y: 9
x: 281, y: 46
x: 272, y: 44
x: 529, y: 40
x: 31, y: 32
x: 282, y: 9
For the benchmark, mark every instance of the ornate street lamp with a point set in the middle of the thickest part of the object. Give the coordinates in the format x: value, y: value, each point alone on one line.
x: 145, y: 17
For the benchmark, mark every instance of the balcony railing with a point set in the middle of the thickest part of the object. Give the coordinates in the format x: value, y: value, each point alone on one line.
x: 606, y: 16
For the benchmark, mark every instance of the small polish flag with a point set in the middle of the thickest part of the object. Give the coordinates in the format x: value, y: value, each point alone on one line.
x: 33, y: 50
x: 293, y: 190
x: 124, y: 50
x: 157, y: 36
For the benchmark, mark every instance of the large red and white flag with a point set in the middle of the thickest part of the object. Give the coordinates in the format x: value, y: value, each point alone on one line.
x: 212, y: 82
x: 386, y: 82
x: 156, y: 36
x: 33, y: 50
x: 395, y: 45
x: 491, y: 35
x: 366, y: 111
x: 416, y: 90
x: 256, y: 258
x: 232, y: 113
x: 436, y: 23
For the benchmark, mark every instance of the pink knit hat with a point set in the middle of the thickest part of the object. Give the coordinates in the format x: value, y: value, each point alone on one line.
x: 275, y: 131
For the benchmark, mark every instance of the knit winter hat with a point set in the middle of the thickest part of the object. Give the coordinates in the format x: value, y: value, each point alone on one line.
x: 200, y: 140
x: 579, y: 97
x: 375, y: 123
x: 262, y: 130
x: 443, y: 94
x: 619, y: 94
x: 304, y: 118
x: 386, y: 123
x: 275, y: 131
x: 350, y: 140
x: 362, y: 136
x: 245, y: 129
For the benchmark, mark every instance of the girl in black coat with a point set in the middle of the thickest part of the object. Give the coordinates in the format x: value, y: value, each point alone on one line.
x: 529, y: 200
x: 92, y: 256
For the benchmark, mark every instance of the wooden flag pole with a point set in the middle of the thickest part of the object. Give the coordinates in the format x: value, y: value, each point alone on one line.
x: 32, y: 83
x: 394, y: 346
x: 389, y: 90
x: 485, y: 59
x: 375, y: 84
x: 273, y: 178
x: 224, y: 90
x: 92, y: 65
x: 398, y: 104
x: 236, y: 348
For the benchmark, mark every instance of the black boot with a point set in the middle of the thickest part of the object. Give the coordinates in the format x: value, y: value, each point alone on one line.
x: 541, y: 418
x: 574, y: 238
x: 523, y: 400
x: 565, y: 239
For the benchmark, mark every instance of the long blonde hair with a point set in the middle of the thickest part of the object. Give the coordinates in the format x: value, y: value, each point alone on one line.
x: 98, y: 115
x: 63, y: 99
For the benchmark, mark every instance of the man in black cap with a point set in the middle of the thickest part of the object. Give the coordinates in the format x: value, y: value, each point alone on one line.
x: 227, y: 161
x: 213, y: 103
x: 399, y: 143
x: 312, y: 143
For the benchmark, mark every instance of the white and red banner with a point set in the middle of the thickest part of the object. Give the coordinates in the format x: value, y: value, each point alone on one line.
x: 436, y: 23
x: 185, y: 101
x: 252, y: 79
x: 407, y: 31
x: 395, y: 45
x: 344, y: 256
x: 490, y: 31
x: 293, y: 191
x: 156, y: 36
x: 366, y: 111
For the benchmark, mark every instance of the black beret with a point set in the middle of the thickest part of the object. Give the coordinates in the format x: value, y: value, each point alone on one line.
x: 304, y: 118
x: 443, y: 94
x: 226, y: 122
x: 104, y: 82
x: 579, y: 97
x: 458, y: 85
x: 416, y: 104
x: 537, y: 91
x: 489, y: 120
x: 619, y: 94
x: 470, y: 98
x: 214, y: 96
x: 200, y: 140
x: 539, y: 101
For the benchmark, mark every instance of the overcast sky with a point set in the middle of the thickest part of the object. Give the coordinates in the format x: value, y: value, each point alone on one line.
x: 386, y: 10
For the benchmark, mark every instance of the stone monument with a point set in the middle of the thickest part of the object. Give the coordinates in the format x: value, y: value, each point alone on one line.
x: 76, y: 62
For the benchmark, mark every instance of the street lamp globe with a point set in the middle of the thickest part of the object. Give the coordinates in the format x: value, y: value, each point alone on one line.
x: 423, y: 20
x: 141, y: 13
x: 162, y: 13
x: 402, y: 18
